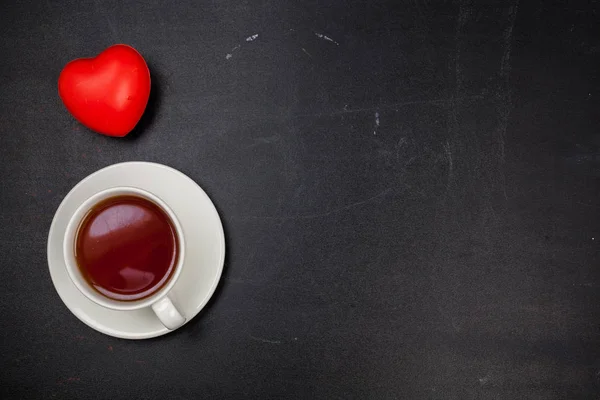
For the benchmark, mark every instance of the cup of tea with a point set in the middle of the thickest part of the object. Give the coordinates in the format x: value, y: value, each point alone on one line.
x: 124, y: 249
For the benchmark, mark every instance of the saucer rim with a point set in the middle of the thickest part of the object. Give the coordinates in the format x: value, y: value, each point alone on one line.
x: 81, y: 315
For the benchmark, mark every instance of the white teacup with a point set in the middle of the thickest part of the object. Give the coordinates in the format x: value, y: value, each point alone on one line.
x: 159, y: 301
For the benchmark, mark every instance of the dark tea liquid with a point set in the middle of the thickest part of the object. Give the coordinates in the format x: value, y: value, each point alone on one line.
x: 126, y: 248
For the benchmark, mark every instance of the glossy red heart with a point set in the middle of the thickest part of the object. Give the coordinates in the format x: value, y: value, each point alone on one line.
x: 107, y: 93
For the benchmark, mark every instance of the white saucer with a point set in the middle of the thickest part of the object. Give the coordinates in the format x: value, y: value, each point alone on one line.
x: 205, y: 247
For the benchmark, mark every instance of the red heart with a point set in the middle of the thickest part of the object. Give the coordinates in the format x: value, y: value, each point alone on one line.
x: 107, y: 93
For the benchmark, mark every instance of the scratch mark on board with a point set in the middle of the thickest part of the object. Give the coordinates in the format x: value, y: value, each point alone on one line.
x: 585, y: 284
x: 229, y: 55
x: 507, y: 40
x: 399, y: 146
x: 327, y: 38
x: 264, y: 140
x: 484, y: 380
x: 263, y: 340
x: 463, y: 15
x: 248, y: 39
x: 376, y: 122
x: 450, y: 163
x: 504, y: 108
x: 306, y: 52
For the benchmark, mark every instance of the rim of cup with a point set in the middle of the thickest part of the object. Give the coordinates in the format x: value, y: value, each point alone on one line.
x: 73, y: 268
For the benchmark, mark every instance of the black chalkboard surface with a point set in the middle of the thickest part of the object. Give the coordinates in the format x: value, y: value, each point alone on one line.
x: 409, y: 192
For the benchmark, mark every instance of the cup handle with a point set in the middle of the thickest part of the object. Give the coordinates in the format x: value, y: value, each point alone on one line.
x: 168, y: 314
